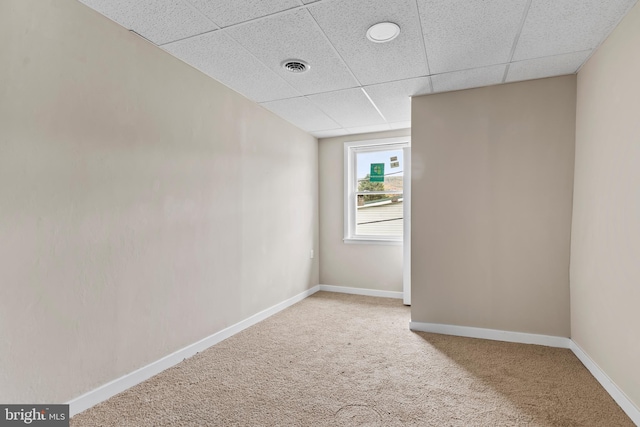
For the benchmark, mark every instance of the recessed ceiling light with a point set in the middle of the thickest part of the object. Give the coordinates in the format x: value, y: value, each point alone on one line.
x: 383, y: 32
x: 295, y: 65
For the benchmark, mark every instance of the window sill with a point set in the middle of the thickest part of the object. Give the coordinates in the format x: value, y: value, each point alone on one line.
x: 356, y: 241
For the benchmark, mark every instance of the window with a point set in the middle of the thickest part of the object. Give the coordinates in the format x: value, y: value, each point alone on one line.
x: 374, y: 190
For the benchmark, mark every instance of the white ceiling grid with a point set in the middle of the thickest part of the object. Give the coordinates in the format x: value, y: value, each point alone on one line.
x: 547, y: 66
x: 222, y: 58
x: 374, y: 63
x: 462, y: 34
x: 293, y: 35
x: 159, y: 21
x: 354, y: 85
x: 302, y: 111
x: 391, y: 98
x: 467, y: 79
x: 231, y: 12
x: 555, y: 27
x: 349, y: 107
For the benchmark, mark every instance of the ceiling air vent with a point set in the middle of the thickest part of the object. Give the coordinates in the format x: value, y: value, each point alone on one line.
x: 295, y: 66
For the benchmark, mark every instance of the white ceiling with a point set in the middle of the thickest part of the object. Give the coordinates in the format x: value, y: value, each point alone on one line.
x: 354, y: 85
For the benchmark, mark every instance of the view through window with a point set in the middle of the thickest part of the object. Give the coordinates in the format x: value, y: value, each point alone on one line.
x: 375, y: 184
x: 379, y: 201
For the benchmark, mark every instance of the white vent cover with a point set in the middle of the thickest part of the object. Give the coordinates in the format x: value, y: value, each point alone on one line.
x: 295, y: 65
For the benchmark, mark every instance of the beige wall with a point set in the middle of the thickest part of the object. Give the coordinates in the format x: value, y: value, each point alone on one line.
x: 492, y: 175
x: 143, y: 206
x: 605, y: 244
x: 365, y: 266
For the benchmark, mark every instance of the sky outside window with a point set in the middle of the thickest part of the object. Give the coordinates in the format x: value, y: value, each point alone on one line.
x: 365, y: 159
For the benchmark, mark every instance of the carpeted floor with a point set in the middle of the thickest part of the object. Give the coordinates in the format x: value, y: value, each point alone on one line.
x: 346, y: 360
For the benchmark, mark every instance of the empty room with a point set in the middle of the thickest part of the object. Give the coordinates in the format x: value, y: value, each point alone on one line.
x: 319, y: 212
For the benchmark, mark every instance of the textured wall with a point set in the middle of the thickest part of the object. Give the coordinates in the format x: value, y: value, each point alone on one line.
x: 143, y: 206
x: 492, y: 181
x: 605, y: 239
x: 365, y: 266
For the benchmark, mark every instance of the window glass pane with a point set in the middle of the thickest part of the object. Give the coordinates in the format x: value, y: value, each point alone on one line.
x: 391, y: 173
x: 379, y: 215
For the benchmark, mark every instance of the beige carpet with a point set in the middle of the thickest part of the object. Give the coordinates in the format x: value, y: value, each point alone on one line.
x: 345, y: 360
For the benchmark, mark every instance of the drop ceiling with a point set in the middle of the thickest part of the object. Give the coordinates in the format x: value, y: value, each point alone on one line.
x: 354, y: 85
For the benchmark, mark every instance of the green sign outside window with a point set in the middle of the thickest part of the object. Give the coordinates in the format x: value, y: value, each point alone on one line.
x: 377, y: 172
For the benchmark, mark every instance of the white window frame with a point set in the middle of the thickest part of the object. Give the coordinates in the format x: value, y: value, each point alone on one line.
x: 350, y: 168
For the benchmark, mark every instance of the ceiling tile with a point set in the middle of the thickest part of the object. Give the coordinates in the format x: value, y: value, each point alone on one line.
x: 463, y: 34
x: 467, y: 79
x: 329, y: 133
x: 555, y: 27
x: 393, y: 99
x: 160, y: 21
x: 309, y: 1
x: 346, y: 25
x: 295, y: 35
x: 368, y: 129
x: 400, y: 125
x: 230, y: 12
x: 225, y: 60
x: 349, y: 108
x: 302, y: 113
x: 546, y: 67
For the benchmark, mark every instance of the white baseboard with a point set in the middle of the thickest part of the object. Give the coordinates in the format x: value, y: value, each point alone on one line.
x: 104, y: 392
x: 491, y: 334
x: 361, y: 291
x: 618, y: 395
x: 551, y: 341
